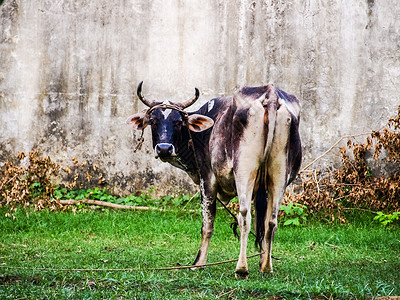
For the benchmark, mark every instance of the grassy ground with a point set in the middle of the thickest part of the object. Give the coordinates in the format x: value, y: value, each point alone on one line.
x: 360, y: 260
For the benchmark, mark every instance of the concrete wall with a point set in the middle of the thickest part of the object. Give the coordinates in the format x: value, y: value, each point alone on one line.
x: 69, y: 71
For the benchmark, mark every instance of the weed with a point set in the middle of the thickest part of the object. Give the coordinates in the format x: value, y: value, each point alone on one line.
x: 146, y: 198
x: 386, y: 219
x: 294, y: 214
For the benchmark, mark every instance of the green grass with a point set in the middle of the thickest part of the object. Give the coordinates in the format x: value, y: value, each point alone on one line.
x: 359, y: 260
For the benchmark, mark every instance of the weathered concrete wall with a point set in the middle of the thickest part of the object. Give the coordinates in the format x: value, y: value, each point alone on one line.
x: 69, y: 71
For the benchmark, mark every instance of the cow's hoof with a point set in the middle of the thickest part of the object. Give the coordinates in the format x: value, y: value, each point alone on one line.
x: 266, y: 271
x: 266, y: 268
x: 242, y: 274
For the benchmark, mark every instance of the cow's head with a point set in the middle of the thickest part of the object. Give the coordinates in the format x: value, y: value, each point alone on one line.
x: 169, y: 124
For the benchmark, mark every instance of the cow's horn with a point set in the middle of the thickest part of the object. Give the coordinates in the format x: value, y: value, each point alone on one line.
x: 143, y: 99
x: 191, y: 101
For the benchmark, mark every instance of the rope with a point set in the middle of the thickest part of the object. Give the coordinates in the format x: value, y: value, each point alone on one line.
x: 140, y: 142
x: 127, y: 269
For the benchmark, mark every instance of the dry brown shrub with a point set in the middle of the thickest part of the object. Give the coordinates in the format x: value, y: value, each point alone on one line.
x: 33, y: 184
x: 17, y: 183
x: 353, y: 186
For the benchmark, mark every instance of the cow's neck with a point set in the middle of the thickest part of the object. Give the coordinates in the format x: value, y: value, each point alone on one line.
x: 187, y: 156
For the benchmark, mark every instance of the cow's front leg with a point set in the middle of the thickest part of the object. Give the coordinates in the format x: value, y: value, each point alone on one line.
x: 208, y: 205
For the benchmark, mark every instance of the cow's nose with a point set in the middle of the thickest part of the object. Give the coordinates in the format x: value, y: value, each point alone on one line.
x: 164, y: 150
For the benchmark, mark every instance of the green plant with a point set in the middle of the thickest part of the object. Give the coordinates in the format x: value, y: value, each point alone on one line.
x: 36, y: 190
x: 386, y: 219
x: 146, y: 198
x: 148, y: 195
x: 294, y: 214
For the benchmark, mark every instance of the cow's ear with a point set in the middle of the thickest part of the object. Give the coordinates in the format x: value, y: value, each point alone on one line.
x: 138, y: 121
x: 198, y: 123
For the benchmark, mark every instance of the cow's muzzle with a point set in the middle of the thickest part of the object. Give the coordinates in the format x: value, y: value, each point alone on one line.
x: 164, y: 150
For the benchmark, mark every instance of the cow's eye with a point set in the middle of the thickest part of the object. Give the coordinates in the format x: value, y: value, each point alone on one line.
x: 178, y: 123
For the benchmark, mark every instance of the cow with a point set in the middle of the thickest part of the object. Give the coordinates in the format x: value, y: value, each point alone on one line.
x: 246, y: 145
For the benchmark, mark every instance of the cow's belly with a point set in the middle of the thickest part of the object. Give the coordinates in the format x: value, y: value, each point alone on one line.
x: 225, y: 181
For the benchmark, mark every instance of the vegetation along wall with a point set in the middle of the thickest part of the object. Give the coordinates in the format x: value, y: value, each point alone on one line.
x: 69, y: 71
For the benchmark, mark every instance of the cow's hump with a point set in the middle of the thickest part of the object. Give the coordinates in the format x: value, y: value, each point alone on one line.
x: 249, y: 94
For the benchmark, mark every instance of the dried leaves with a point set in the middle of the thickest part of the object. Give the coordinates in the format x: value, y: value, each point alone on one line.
x: 33, y: 184
x: 29, y: 185
x: 353, y: 186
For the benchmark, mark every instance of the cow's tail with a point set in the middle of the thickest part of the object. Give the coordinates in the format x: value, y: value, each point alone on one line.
x: 261, y: 203
x: 271, y: 106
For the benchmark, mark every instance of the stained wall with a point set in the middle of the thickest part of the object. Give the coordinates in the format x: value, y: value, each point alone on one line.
x: 69, y: 71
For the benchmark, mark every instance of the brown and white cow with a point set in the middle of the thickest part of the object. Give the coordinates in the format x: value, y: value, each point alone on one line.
x: 247, y: 145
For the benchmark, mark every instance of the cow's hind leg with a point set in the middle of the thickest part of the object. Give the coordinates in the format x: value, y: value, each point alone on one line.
x: 245, y: 183
x: 276, y: 183
x: 242, y: 271
x: 208, y: 205
x: 271, y: 225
